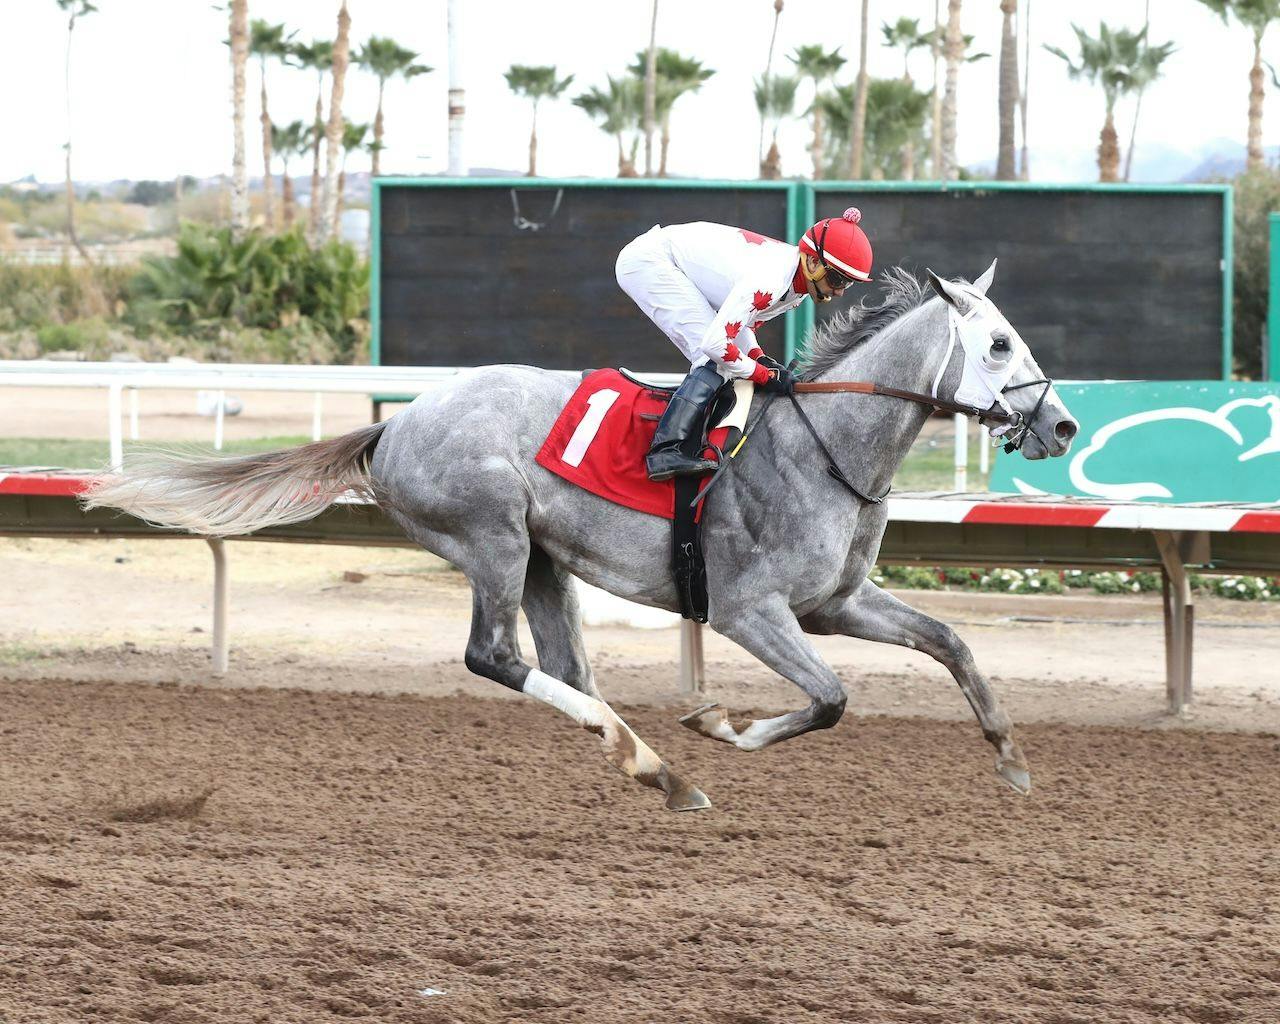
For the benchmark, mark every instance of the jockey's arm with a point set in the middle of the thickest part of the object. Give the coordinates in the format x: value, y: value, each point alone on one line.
x: 730, y: 341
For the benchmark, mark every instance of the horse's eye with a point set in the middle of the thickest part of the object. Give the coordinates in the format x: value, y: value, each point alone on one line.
x: 999, y: 344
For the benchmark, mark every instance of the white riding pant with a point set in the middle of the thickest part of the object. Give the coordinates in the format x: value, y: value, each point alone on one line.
x: 647, y: 272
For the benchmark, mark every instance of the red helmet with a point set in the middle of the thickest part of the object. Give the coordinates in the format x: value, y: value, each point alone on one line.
x: 841, y: 245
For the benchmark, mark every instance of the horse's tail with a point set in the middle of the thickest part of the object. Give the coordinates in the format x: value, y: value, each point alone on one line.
x: 224, y: 496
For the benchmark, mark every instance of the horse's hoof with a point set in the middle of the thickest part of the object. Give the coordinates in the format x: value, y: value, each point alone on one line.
x: 1016, y: 776
x: 695, y: 714
x: 710, y: 720
x: 681, y: 796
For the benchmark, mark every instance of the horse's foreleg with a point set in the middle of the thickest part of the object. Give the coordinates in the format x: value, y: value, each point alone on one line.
x: 872, y: 614
x: 550, y: 603
x: 772, y: 634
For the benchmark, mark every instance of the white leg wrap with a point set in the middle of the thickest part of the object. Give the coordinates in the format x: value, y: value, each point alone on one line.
x: 623, y: 747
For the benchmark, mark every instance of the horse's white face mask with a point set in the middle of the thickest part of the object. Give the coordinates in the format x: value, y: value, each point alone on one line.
x: 993, y: 350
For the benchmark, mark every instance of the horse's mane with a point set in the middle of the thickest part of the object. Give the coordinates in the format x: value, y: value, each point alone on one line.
x: 857, y: 324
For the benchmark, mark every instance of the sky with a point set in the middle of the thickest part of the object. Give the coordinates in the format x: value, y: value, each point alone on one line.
x: 150, y: 82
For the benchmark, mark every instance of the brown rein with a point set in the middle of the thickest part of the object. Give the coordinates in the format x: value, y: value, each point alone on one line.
x: 864, y: 387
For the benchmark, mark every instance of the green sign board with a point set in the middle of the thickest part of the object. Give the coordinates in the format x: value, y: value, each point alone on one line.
x: 1184, y: 441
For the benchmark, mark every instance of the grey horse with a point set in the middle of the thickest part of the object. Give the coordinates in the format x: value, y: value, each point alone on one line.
x: 788, y: 548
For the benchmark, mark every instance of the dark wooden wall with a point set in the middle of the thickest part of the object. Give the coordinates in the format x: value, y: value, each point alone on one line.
x: 461, y: 285
x: 1100, y: 284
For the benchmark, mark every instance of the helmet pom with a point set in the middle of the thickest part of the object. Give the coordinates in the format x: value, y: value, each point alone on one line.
x: 852, y: 215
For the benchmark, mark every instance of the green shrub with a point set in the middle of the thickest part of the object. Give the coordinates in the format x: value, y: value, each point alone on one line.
x: 272, y: 282
x: 1256, y: 194
x: 89, y: 336
x: 32, y: 296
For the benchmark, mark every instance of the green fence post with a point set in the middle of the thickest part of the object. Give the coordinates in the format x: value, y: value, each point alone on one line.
x: 375, y: 274
x: 801, y: 324
x: 1271, y: 353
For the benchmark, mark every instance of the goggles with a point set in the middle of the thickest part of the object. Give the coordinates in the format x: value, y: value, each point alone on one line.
x: 836, y: 279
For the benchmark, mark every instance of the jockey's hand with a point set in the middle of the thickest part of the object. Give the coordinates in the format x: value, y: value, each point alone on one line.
x: 780, y: 380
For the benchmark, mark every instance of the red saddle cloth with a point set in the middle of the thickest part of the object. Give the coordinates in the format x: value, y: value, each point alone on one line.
x: 600, y: 439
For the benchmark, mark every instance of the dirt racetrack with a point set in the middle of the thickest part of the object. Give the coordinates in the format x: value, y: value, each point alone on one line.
x: 357, y: 850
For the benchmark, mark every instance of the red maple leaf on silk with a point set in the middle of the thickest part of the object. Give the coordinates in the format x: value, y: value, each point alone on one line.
x: 731, y: 330
x: 732, y: 353
x: 755, y: 239
x: 762, y: 300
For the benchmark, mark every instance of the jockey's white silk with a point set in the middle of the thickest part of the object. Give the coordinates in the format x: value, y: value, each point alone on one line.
x: 707, y: 286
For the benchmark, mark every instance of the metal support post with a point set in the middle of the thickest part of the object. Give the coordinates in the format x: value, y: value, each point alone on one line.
x: 1177, y: 549
x: 962, y: 453
x: 693, y: 677
x: 219, y: 419
x: 219, y: 652
x: 115, y: 429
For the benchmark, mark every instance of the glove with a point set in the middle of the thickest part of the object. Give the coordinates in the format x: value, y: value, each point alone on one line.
x: 779, y: 381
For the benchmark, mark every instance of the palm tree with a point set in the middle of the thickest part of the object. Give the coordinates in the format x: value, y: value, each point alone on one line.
x: 333, y: 129
x: 457, y: 101
x: 1111, y: 60
x: 535, y: 83
x: 353, y: 138
x: 860, y: 101
x: 1006, y: 163
x: 1147, y: 71
x: 650, y: 91
x: 317, y: 56
x: 385, y: 59
x: 896, y: 112
x: 239, y: 58
x: 674, y: 76
x: 775, y: 99
x: 74, y: 9
x: 816, y: 64
x: 1255, y: 15
x: 291, y: 140
x: 764, y: 84
x: 954, y: 52
x: 1024, y: 169
x: 267, y: 41
x: 905, y: 34
x: 618, y: 109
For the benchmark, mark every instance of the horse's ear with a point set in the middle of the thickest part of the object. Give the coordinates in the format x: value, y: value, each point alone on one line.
x: 988, y: 275
x: 945, y: 290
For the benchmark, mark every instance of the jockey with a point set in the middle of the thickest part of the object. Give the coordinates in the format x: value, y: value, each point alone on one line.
x: 708, y: 287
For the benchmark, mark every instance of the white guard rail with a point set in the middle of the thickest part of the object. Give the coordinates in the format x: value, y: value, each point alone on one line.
x: 117, y: 378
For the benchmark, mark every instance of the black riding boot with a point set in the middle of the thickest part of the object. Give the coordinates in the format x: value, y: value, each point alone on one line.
x: 677, y: 443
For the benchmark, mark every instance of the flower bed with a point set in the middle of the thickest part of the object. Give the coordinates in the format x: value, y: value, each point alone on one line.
x: 1057, y: 581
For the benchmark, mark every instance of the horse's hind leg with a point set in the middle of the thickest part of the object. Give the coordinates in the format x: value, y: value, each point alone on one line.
x: 871, y: 614
x: 494, y: 557
x: 550, y: 604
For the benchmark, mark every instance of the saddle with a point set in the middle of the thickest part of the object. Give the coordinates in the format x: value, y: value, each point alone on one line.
x: 599, y: 442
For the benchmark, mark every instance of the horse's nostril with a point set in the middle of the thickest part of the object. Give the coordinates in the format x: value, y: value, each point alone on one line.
x: 1065, y: 430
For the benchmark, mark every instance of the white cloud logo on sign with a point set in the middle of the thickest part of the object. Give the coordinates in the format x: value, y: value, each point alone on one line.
x: 1218, y: 418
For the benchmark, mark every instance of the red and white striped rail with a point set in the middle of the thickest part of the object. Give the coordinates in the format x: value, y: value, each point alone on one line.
x: 1031, y: 511
x: 1014, y: 510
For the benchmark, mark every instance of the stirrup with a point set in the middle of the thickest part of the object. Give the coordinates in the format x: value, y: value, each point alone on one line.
x: 671, y: 462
